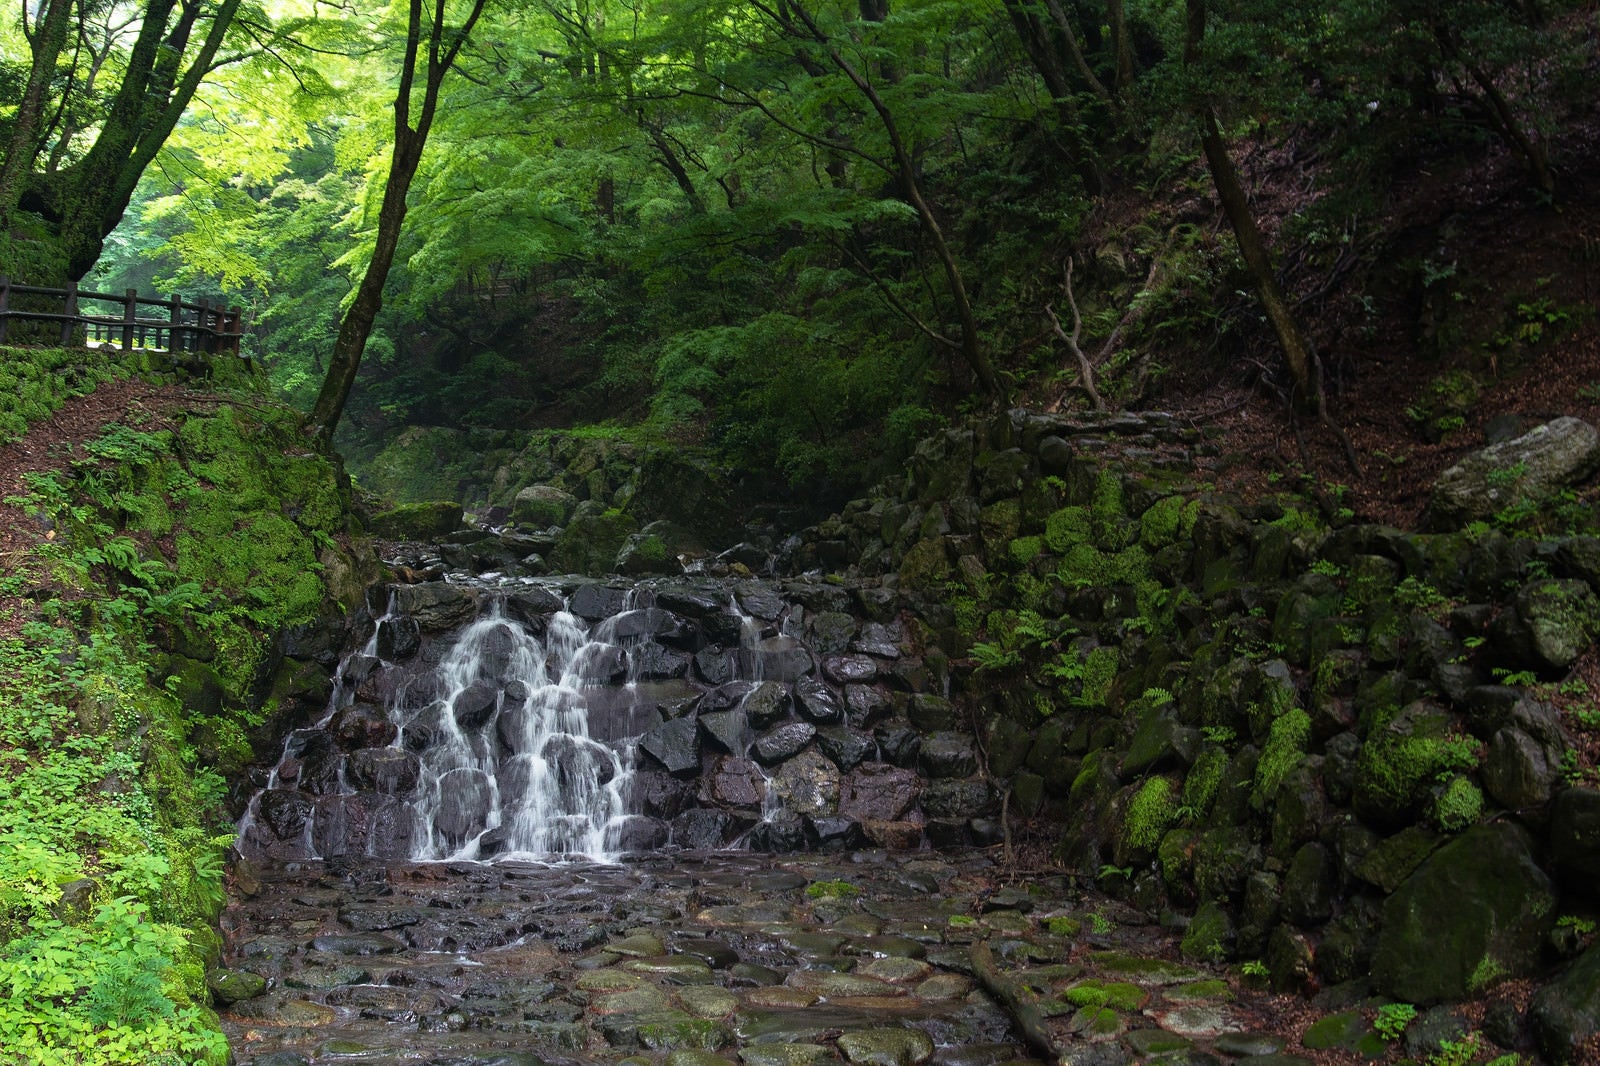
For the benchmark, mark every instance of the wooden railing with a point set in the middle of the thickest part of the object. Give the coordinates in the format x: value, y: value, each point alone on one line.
x: 178, y: 326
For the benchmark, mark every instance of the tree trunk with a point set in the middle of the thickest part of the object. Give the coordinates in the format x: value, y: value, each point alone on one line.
x: 48, y: 39
x: 155, y: 91
x: 356, y: 325
x: 1236, y: 205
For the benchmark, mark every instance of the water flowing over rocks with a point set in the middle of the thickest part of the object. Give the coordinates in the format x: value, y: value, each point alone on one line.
x: 1264, y: 734
x: 870, y: 958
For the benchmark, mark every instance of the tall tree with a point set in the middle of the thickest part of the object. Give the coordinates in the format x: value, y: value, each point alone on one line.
x: 80, y: 197
x: 437, y: 55
x: 1236, y: 206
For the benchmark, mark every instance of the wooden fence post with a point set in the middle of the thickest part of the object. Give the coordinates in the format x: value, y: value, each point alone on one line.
x: 175, y: 316
x: 70, y: 309
x: 5, y: 305
x: 130, y: 312
x: 236, y: 327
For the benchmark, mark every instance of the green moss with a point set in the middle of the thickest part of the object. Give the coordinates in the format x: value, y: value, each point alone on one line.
x: 1286, y: 744
x: 1458, y: 806
x: 1151, y: 813
x: 1204, y: 780
x: 1161, y: 521
x: 1099, y: 674
x: 1114, y: 995
x: 1084, y: 566
x: 1394, y: 769
x: 1024, y: 550
x: 1065, y: 528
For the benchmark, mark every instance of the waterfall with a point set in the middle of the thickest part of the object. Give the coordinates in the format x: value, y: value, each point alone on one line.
x: 507, y: 751
x: 540, y: 719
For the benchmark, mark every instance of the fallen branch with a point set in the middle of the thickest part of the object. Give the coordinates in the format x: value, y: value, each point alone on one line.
x: 1015, y: 1001
x: 1085, y: 371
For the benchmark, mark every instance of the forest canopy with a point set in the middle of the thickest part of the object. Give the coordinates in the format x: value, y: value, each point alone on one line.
x: 778, y: 228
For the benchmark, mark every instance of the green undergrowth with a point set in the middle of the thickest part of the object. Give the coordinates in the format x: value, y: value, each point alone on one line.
x: 35, y: 382
x: 167, y: 551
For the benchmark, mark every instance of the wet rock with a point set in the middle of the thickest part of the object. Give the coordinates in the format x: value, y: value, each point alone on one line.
x: 652, y: 662
x: 285, y: 812
x: 703, y: 828
x: 361, y: 725
x: 932, y: 714
x: 878, y: 792
x: 786, y: 831
x: 231, y: 986
x: 464, y: 799
x: 437, y: 606
x: 785, y: 1055
x: 865, y: 705
x: 948, y: 755
x: 675, y: 745
x: 816, y: 702
x: 475, y: 704
x: 784, y: 742
x: 898, y: 743
x: 359, y: 944
x: 807, y: 784
x: 391, y: 771
x: 766, y: 704
x: 759, y: 600
x: 836, y: 833
x: 849, y: 669
x: 716, y: 665
x: 846, y: 747
x: 728, y: 730
x: 311, y: 761
x: 398, y: 638
x: 533, y: 606
x: 957, y: 799
x: 886, y: 1047
x: 734, y: 782
x: 363, y: 823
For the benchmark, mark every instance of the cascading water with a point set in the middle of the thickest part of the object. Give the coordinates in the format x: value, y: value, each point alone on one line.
x: 569, y: 718
x: 507, y: 748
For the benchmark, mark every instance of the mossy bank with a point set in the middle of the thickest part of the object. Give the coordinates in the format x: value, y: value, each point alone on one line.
x: 1351, y: 757
x: 181, y: 576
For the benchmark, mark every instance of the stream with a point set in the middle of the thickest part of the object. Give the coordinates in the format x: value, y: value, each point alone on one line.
x: 683, y: 822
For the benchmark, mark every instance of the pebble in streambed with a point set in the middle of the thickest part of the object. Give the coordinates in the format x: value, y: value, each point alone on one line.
x: 702, y: 959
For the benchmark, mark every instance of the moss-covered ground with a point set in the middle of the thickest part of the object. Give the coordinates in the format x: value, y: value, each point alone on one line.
x: 178, y: 536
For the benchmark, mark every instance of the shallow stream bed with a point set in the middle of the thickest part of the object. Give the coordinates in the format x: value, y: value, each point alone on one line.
x: 693, y: 959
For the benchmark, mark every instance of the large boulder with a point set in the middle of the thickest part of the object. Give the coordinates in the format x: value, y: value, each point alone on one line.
x: 542, y: 506
x: 417, y: 521
x: 1550, y: 623
x: 1474, y: 913
x: 1562, y: 452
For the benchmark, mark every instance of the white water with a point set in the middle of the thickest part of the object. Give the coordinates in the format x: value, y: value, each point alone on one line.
x: 531, y: 770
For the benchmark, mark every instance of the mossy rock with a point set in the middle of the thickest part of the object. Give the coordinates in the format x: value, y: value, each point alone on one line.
x: 427, y: 522
x: 926, y: 564
x: 1477, y: 911
x: 1401, y: 759
x: 591, y: 541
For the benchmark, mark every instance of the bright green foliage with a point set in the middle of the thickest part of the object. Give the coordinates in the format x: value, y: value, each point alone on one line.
x: 35, y: 381
x: 1162, y: 522
x: 103, y: 775
x: 1115, y: 995
x: 1286, y: 744
x: 1394, y: 768
x: 1151, y: 812
x: 1024, y: 550
x: 832, y: 890
x: 1200, y: 785
x: 1459, y: 805
x: 1066, y: 528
